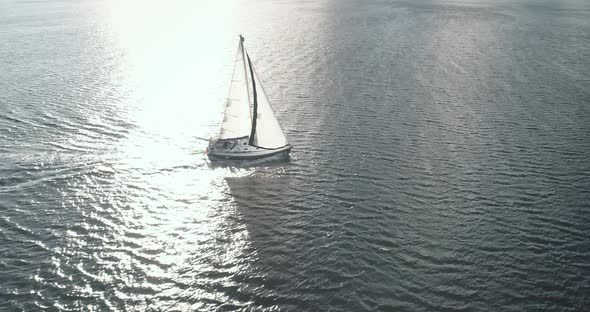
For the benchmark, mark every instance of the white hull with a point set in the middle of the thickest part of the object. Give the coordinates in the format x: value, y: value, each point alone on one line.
x: 263, y: 153
x: 281, y: 152
x: 240, y: 150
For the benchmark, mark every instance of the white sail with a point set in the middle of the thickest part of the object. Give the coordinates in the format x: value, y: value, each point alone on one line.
x: 268, y: 132
x: 236, y: 118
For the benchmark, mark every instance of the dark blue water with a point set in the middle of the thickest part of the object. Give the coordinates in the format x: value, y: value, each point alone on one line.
x: 441, y: 157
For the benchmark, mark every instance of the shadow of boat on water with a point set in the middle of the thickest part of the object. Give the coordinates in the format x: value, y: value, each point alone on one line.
x: 266, y: 206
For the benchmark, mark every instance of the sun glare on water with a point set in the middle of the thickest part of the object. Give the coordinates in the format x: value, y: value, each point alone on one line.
x: 173, y: 52
x: 174, y: 66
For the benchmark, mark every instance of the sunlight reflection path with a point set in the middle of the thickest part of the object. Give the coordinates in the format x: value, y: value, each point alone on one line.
x: 166, y: 229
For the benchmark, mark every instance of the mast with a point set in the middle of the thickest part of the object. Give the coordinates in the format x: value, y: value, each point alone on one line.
x: 255, y: 110
x: 245, y: 71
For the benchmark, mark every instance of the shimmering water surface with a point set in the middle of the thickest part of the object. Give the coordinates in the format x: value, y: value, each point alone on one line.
x: 441, y: 156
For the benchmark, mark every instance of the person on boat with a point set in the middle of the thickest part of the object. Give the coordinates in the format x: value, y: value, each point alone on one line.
x: 227, y: 144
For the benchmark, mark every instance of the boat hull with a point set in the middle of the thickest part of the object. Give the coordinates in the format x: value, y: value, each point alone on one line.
x: 249, y: 155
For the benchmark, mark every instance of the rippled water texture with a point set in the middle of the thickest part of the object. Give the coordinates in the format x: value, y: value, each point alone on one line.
x: 441, y: 156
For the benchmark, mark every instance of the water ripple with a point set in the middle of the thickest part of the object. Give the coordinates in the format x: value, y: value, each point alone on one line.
x: 439, y: 162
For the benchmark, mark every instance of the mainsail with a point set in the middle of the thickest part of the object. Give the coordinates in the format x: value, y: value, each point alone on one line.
x: 237, y: 116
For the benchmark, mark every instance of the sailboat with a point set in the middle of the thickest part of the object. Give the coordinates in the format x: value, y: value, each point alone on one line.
x: 250, y: 129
